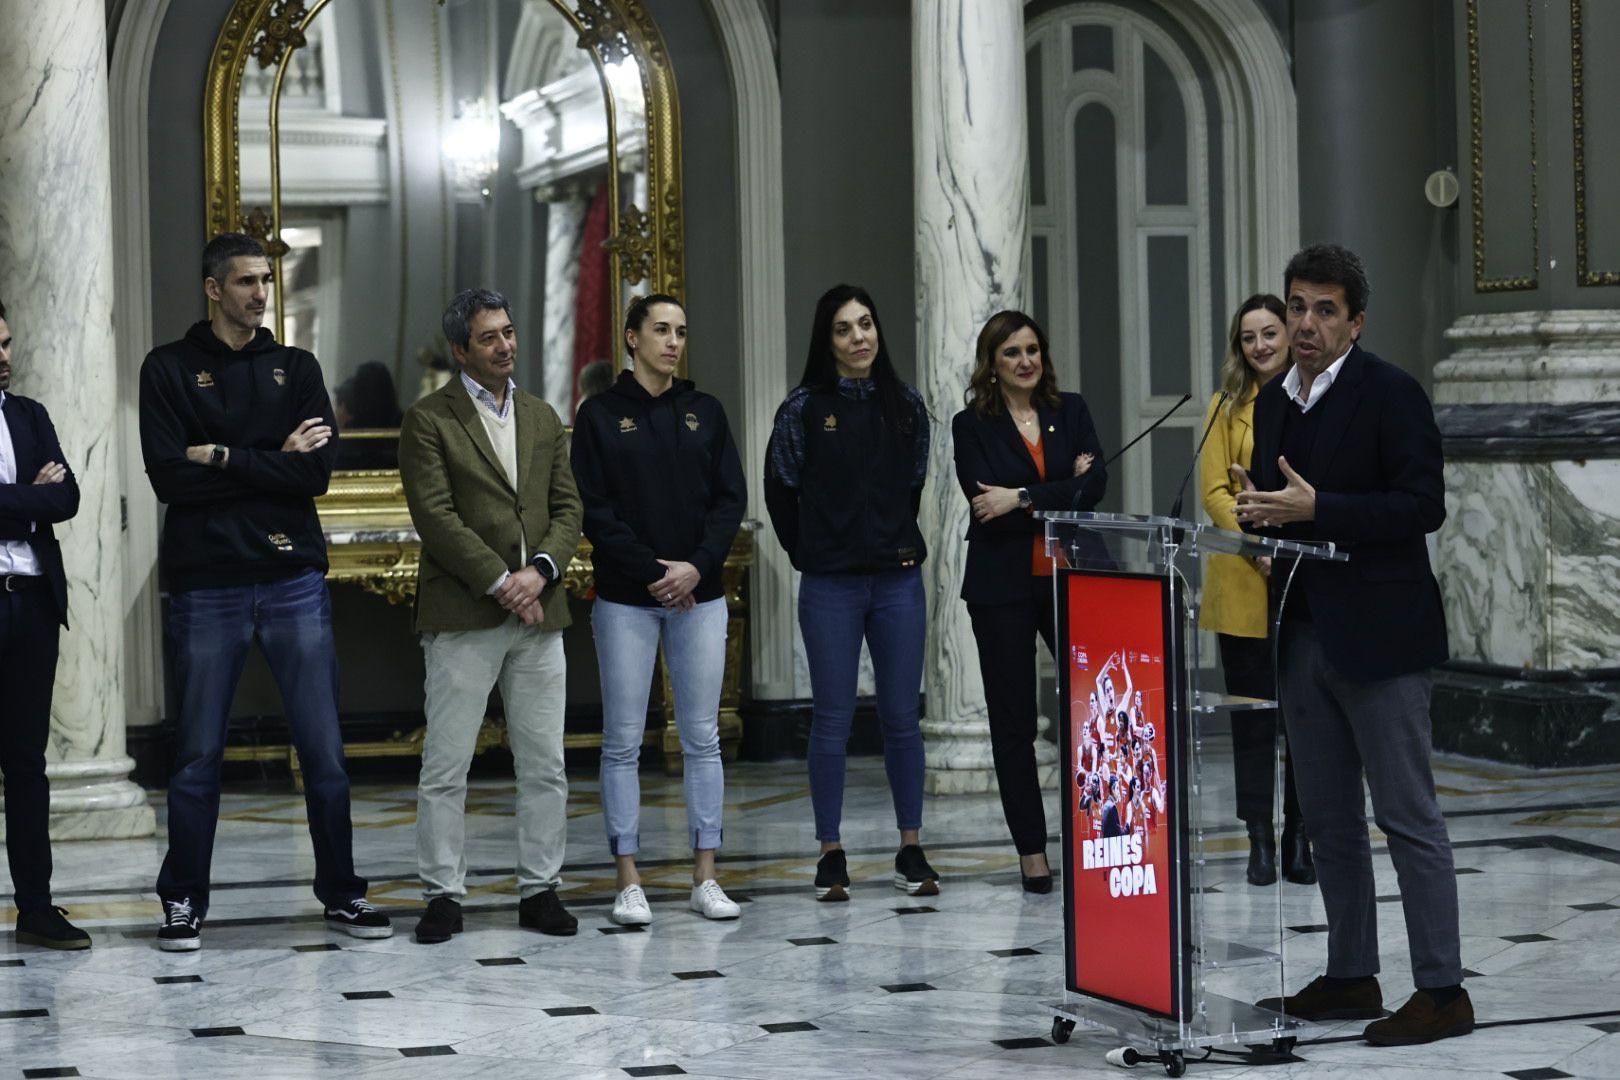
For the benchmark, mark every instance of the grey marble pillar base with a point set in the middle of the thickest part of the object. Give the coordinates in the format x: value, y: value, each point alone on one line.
x: 1515, y: 720
x: 96, y: 800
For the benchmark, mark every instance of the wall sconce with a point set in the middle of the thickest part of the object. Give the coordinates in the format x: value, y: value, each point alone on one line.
x: 472, y: 146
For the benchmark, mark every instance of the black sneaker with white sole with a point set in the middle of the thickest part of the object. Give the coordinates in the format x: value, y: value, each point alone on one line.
x: 182, y: 927
x: 358, y: 918
x: 832, y: 876
x: 912, y: 874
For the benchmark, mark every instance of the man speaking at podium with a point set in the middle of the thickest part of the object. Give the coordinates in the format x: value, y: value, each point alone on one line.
x: 1347, y: 450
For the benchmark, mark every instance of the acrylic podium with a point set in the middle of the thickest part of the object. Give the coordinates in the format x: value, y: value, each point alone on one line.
x: 1160, y: 948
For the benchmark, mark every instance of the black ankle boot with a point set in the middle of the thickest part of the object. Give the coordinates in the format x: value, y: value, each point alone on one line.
x: 1262, y: 854
x: 1296, y: 852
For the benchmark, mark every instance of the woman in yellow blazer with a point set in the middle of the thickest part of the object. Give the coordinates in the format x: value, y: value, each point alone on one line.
x: 1235, y: 602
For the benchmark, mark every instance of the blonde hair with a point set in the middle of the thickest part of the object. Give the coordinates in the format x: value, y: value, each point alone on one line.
x: 1237, y: 377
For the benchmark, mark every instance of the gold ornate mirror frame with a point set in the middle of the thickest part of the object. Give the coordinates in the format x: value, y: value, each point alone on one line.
x: 645, y: 247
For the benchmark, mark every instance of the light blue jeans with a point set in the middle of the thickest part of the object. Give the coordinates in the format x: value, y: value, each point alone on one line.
x: 627, y: 638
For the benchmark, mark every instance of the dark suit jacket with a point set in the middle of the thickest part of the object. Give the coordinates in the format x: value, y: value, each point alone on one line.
x: 34, y: 441
x: 1377, y: 469
x: 990, y: 449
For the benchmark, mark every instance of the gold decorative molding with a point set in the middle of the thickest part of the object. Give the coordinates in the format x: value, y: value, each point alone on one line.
x: 283, y: 31
x: 632, y: 244
x: 1482, y: 281
x: 1584, y: 274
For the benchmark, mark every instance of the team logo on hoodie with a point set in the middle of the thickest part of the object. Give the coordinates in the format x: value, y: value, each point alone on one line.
x: 280, y: 375
x: 205, y: 378
x: 280, y: 541
x: 626, y: 425
x: 691, y: 422
x: 830, y: 424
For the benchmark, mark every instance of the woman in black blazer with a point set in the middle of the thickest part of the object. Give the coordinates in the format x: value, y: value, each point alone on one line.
x: 1021, y: 446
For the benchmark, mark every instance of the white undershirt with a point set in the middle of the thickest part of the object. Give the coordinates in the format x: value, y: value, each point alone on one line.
x: 1319, y: 385
x: 16, y: 556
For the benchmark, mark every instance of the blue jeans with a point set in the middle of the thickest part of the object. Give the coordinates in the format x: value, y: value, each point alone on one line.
x: 890, y: 611
x: 209, y: 632
x: 627, y: 638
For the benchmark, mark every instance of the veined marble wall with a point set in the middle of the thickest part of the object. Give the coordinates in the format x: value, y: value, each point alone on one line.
x: 56, y: 273
x: 565, y: 224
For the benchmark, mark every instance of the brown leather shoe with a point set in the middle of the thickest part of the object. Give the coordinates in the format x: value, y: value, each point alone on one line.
x: 1418, y: 1021
x: 1322, y: 1000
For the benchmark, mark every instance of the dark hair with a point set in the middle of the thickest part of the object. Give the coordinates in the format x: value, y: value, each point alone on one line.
x: 2, y: 310
x: 982, y: 392
x: 369, y: 394
x: 821, y: 370
x: 636, y: 314
x: 595, y: 377
x: 1330, y: 264
x: 1237, y: 377
x: 217, y: 255
x: 457, y: 321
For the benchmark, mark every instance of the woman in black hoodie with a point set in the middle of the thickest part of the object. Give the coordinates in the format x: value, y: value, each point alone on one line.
x: 664, y: 496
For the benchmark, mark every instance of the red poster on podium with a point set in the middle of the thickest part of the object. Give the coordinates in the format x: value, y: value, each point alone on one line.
x: 1121, y: 840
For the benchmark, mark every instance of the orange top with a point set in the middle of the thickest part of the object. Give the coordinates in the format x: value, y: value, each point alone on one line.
x: 1040, y: 565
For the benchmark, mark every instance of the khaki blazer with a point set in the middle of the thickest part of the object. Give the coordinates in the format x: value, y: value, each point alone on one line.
x: 472, y: 523
x: 1234, y: 591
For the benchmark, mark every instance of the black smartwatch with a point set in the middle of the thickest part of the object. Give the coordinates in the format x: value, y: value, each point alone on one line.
x: 216, y: 456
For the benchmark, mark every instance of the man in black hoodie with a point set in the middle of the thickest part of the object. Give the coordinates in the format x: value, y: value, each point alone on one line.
x: 236, y: 433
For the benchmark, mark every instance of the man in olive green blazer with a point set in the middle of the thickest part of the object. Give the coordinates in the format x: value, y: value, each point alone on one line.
x: 491, y: 492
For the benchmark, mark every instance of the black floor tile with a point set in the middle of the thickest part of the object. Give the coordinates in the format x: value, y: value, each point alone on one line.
x: 654, y: 1070
x: 502, y: 961
x: 24, y: 1014
x: 622, y: 929
x: 1608, y: 1027
x: 170, y: 980
x: 1595, y: 907
x: 427, y: 1051
x: 13, y: 963
x: 697, y: 974
x: 1525, y: 939
x: 1536, y: 1074
x: 1468, y: 870
x: 1025, y: 951
x: 216, y: 1032
x: 907, y: 988
x: 1310, y: 928
x: 924, y: 910
x: 366, y: 995
x: 811, y: 941
x: 1392, y: 898
x: 1470, y: 973
x: 782, y: 1029
x: 570, y: 1010
x: 45, y: 1074
x: 323, y: 947
x: 1022, y: 1044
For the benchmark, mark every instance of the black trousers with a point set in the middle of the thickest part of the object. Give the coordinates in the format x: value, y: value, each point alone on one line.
x: 1247, y: 662
x: 1006, y: 634
x: 28, y: 645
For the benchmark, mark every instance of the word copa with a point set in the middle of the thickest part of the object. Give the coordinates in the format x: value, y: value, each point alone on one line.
x: 1121, y: 856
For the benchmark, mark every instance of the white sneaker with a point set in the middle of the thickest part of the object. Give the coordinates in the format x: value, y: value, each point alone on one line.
x: 631, y: 909
x: 711, y: 901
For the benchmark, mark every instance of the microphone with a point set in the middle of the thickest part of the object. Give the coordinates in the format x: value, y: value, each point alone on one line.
x: 1142, y: 435
x: 1126, y: 1057
x: 1181, y: 493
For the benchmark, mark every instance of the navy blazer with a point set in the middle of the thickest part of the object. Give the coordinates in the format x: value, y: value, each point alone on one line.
x: 1377, y: 469
x: 990, y: 449
x: 33, y: 438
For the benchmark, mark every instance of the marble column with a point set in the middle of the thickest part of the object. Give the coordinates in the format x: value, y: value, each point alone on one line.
x: 971, y: 173
x: 56, y: 270
x: 565, y: 221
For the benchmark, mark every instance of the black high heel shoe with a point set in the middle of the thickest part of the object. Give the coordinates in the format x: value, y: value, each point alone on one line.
x: 1040, y: 883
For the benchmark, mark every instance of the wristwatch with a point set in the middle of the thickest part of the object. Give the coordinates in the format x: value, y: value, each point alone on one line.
x: 1024, y: 501
x: 216, y: 456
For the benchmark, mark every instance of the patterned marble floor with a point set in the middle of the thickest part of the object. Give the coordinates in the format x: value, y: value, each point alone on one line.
x: 955, y: 986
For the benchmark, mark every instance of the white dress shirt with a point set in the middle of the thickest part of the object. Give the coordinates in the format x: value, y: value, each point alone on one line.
x: 16, y: 556
x: 1319, y: 385
x: 501, y: 413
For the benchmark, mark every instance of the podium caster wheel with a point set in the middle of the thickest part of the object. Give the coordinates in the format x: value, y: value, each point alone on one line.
x: 1284, y: 1046
x: 1061, y: 1029
x: 1175, y: 1063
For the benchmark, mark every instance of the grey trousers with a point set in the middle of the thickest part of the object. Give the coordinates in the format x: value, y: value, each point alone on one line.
x: 462, y: 667
x: 1339, y: 731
